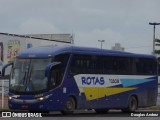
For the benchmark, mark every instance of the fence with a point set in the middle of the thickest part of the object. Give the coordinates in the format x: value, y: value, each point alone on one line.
x: 4, y: 87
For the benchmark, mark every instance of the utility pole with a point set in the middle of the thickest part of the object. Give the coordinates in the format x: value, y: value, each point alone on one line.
x: 101, y: 41
x: 154, y: 29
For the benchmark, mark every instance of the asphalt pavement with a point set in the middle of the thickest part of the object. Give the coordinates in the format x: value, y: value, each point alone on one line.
x: 91, y: 115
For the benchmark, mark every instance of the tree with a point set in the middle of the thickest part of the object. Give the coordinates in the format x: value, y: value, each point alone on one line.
x: 157, y: 43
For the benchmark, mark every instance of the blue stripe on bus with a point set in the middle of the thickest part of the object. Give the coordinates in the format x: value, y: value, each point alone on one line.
x: 132, y: 82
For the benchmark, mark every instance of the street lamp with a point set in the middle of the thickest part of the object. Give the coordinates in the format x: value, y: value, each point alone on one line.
x: 101, y: 42
x: 154, y: 24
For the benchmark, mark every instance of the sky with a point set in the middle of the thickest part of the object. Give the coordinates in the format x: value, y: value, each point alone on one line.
x: 115, y: 21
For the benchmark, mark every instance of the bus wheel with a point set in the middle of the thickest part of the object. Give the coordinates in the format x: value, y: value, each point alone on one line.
x: 69, y: 106
x: 101, y: 111
x: 132, y: 105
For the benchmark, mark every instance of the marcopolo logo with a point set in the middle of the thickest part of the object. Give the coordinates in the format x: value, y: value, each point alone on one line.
x: 92, y: 80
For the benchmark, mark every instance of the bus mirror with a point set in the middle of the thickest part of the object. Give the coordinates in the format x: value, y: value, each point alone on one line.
x: 4, y: 68
x: 49, y: 67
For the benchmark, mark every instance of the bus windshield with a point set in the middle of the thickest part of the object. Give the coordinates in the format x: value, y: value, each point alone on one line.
x: 28, y: 75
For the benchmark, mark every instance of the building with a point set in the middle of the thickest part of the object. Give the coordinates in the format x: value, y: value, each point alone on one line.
x: 118, y: 47
x: 11, y: 44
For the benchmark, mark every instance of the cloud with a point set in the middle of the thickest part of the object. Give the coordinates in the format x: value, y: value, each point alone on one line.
x: 121, y: 21
x: 91, y: 38
x: 37, y: 26
x: 132, y: 42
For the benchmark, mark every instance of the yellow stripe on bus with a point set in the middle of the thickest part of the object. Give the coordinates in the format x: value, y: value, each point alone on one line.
x: 92, y: 93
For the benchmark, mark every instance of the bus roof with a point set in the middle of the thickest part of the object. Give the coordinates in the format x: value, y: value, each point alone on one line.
x: 48, y: 51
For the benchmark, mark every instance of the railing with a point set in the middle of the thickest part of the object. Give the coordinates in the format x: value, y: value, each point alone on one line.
x: 4, y: 87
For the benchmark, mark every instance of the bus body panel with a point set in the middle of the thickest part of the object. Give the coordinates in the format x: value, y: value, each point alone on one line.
x: 58, y: 97
x: 90, y: 91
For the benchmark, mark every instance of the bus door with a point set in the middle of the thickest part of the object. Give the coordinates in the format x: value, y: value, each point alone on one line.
x: 56, y: 77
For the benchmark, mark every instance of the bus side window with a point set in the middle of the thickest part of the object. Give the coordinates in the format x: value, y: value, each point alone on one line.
x: 149, y: 67
x: 144, y: 66
x: 74, y: 63
x: 116, y: 65
x: 81, y: 64
x: 110, y: 65
x: 124, y: 66
x: 58, y: 71
x: 55, y: 78
x: 99, y: 65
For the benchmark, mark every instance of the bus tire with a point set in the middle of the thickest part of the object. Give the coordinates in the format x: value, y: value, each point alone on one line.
x: 132, y: 105
x: 69, y: 106
x: 101, y: 111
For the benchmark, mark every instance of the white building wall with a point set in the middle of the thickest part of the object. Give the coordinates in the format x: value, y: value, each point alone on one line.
x: 6, y: 40
x: 59, y: 37
x: 20, y: 43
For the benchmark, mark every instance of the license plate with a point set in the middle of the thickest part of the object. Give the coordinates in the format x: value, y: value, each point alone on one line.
x: 24, y: 106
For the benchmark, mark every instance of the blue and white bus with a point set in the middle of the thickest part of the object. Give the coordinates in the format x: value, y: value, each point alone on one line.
x: 66, y: 78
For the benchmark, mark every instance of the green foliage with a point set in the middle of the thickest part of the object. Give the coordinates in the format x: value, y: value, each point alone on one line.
x: 157, y: 40
x: 157, y: 43
x: 157, y: 51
